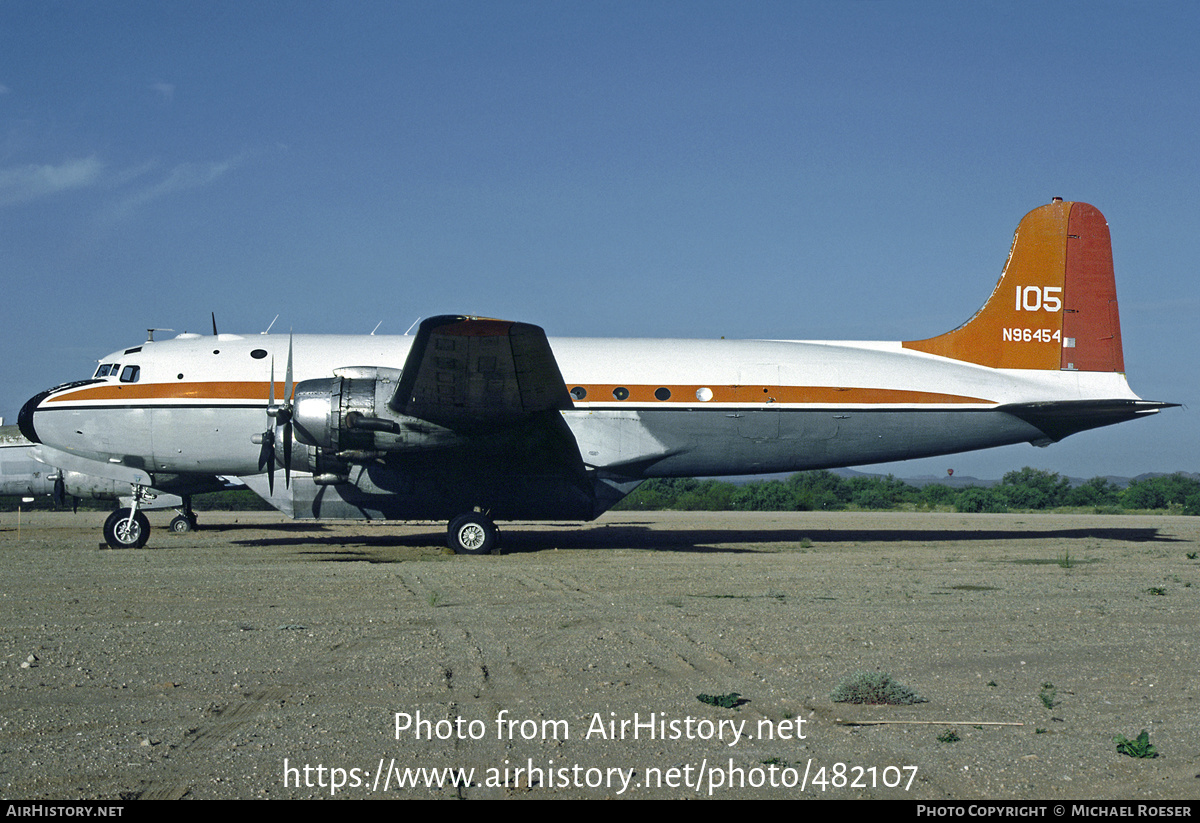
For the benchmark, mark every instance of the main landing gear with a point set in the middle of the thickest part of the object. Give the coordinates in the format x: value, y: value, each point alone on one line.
x: 185, y: 521
x: 472, y: 533
x: 182, y: 524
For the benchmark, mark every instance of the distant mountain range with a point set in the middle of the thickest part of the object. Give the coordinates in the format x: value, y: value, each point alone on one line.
x: 959, y: 481
x: 956, y: 481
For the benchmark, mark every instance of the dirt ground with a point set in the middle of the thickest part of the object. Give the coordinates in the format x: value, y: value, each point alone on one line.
x: 259, y: 658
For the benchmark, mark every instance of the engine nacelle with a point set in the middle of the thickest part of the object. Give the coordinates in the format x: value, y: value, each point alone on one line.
x: 347, y: 417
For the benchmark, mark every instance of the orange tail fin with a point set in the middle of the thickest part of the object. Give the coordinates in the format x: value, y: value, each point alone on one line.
x: 1055, y: 306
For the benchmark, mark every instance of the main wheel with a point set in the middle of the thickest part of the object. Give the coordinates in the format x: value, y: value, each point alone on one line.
x: 120, y: 533
x: 182, y: 524
x: 471, y: 534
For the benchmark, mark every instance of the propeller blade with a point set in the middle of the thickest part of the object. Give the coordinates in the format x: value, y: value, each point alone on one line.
x: 279, y: 415
x: 270, y: 465
x: 288, y: 387
x: 287, y: 454
x: 266, y: 456
x: 264, y: 453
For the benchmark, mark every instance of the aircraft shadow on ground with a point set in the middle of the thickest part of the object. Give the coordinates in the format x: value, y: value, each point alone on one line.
x: 647, y: 537
x: 299, y: 526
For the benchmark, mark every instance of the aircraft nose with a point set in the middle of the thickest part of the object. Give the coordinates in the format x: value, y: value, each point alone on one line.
x: 25, y: 416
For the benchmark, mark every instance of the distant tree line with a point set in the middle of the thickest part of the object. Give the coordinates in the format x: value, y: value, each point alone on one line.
x: 1022, y: 490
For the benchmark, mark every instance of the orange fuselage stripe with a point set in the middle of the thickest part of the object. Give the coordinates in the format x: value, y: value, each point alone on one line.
x: 238, y: 390
x: 825, y: 395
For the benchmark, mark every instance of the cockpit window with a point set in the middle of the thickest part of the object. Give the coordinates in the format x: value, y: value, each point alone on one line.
x: 130, y: 374
x: 106, y: 369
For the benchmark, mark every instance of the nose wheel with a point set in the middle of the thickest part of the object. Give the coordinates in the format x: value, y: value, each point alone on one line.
x: 472, y: 533
x: 126, y: 529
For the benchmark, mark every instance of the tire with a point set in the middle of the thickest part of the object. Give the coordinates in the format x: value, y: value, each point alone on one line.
x: 472, y: 534
x: 182, y: 524
x: 118, y: 536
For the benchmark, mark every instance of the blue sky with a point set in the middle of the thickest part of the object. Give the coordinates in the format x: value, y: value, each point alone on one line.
x: 848, y: 170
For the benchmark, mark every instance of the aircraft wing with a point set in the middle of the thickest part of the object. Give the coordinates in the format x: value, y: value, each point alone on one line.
x: 473, y: 374
x: 474, y: 424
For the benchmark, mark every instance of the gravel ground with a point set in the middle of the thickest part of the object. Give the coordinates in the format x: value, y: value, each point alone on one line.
x: 259, y: 658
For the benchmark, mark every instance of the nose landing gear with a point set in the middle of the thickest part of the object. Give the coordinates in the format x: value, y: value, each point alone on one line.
x: 126, y: 529
x: 129, y: 528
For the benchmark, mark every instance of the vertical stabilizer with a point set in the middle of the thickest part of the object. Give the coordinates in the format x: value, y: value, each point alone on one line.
x: 1055, y: 306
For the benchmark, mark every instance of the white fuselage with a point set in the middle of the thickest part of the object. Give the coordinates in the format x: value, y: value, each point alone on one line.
x: 645, y: 407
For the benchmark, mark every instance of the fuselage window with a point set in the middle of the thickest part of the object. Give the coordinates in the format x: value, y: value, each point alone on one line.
x: 621, y: 393
x: 130, y: 374
x: 578, y: 393
x: 662, y: 393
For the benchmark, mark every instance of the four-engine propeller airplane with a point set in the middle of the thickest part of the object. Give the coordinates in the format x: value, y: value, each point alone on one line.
x: 473, y: 420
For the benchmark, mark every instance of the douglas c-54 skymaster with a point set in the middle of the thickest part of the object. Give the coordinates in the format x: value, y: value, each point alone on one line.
x: 474, y: 420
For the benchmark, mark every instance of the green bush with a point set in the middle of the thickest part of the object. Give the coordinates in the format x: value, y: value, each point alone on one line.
x: 1025, y: 488
x: 975, y: 500
x: 1033, y: 489
x: 1098, y: 492
x: 1139, y: 748
x: 1163, y: 492
x: 874, y: 688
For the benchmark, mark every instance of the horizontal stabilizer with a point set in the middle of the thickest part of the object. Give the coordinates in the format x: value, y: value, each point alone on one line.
x: 1058, y: 419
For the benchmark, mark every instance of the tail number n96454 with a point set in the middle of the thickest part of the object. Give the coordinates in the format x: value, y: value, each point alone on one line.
x: 1031, y: 335
x: 1038, y: 298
